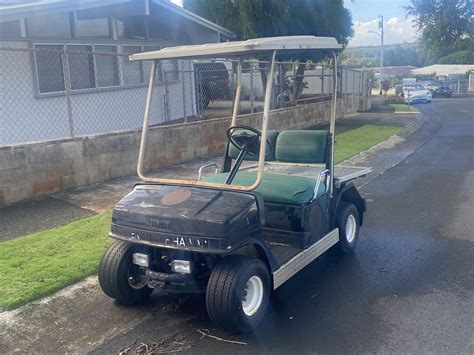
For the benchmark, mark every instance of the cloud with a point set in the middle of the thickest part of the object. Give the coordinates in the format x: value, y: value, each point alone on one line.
x: 397, y: 30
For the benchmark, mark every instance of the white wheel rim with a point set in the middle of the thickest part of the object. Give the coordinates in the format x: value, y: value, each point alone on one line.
x: 351, y: 227
x: 136, y: 282
x: 253, y: 296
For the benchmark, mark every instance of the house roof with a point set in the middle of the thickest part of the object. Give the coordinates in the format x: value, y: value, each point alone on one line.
x: 444, y: 69
x: 15, y: 9
x: 251, y: 46
x: 395, y: 70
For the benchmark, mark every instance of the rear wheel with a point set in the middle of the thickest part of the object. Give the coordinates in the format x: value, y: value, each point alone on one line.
x: 119, y: 277
x: 238, y: 293
x: 348, y: 223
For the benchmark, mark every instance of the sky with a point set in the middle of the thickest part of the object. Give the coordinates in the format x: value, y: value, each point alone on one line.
x: 398, y: 28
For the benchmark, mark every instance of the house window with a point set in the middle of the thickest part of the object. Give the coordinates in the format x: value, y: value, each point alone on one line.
x: 106, y: 66
x: 91, y: 28
x: 170, y: 70
x: 10, y: 29
x: 132, y: 27
x: 147, y: 65
x: 49, y: 68
x: 132, y: 71
x: 53, y: 26
x: 81, y: 67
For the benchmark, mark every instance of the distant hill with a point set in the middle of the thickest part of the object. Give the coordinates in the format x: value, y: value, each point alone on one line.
x: 394, y: 55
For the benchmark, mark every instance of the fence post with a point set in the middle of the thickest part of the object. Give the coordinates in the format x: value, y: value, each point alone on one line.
x: 252, y: 94
x: 67, y: 89
x: 322, y: 80
x: 167, y: 99
x: 353, y: 89
x: 184, y: 92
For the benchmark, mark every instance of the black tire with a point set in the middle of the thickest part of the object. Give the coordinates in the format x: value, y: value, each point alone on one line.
x: 345, y: 213
x: 114, y: 274
x: 226, y: 291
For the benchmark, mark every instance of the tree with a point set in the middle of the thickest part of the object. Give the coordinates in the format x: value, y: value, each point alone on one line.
x: 446, y: 26
x: 265, y: 18
x: 223, y: 12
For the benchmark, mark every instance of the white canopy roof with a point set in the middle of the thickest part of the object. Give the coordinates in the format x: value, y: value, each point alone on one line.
x: 251, y: 46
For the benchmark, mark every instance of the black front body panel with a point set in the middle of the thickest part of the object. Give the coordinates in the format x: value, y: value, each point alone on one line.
x: 188, y: 218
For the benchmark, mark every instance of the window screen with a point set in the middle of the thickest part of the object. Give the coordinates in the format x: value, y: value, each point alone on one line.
x: 53, y: 26
x: 49, y: 69
x: 81, y: 67
x: 132, y: 71
x: 91, y: 28
x: 106, y: 66
x: 10, y: 29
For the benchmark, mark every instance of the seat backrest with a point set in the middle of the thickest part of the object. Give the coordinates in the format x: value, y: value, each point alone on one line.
x: 301, y: 146
x: 271, y: 136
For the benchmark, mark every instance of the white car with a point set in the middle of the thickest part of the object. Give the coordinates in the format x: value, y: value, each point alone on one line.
x: 416, y: 93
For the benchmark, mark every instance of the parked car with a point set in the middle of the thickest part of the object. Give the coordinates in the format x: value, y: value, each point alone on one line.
x: 416, y: 93
x: 431, y: 85
x: 212, y: 83
x: 442, y: 91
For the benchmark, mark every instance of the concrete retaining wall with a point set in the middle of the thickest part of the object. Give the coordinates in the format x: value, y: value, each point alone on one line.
x: 38, y: 169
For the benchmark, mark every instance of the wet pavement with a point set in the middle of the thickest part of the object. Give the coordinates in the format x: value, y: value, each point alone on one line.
x: 408, y: 288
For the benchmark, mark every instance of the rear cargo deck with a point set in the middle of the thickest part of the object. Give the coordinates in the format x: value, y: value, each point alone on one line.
x: 341, y: 173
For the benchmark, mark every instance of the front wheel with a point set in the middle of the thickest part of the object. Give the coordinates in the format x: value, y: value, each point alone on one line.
x: 238, y: 293
x: 348, y: 222
x: 119, y: 278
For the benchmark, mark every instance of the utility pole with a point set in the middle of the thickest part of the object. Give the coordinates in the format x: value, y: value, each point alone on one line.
x: 381, y: 51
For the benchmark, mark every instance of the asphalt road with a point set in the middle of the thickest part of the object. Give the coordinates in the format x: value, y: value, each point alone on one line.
x: 408, y: 288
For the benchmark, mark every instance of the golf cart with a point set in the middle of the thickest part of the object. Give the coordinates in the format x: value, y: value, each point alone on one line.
x: 276, y: 205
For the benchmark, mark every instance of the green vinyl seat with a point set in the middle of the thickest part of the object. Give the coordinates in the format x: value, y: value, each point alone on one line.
x: 276, y: 188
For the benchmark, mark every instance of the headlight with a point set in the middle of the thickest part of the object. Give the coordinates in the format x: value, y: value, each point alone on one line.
x: 181, y: 266
x: 141, y: 259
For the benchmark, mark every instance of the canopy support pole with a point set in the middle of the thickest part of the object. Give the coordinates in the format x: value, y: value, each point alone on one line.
x: 332, y: 120
x: 266, y: 116
x: 141, y: 153
x: 235, y: 110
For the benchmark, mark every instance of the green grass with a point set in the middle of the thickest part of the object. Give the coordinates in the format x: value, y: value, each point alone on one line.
x: 357, y: 140
x: 36, y: 265
x: 404, y: 108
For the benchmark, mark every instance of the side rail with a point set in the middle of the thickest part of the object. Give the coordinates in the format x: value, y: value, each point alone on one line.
x: 201, y: 169
x: 322, y: 174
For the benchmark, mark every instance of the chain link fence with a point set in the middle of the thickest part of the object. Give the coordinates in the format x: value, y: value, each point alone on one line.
x: 458, y: 86
x: 61, y: 91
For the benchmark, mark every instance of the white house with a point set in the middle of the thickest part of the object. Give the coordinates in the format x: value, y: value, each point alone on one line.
x: 50, y: 47
x: 445, y: 71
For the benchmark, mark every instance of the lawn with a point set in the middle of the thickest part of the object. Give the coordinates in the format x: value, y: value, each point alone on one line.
x: 404, y: 108
x: 357, y: 140
x: 36, y: 265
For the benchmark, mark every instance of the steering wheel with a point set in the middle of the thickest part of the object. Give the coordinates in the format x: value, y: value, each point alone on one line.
x: 247, y: 139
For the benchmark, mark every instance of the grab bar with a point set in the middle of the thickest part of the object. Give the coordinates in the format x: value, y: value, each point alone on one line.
x: 207, y: 166
x: 318, y: 183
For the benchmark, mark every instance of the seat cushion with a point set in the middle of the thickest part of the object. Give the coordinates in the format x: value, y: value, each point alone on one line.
x: 277, y: 188
x: 301, y: 146
x: 271, y: 136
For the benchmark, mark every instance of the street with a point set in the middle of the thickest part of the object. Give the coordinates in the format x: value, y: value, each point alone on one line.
x: 408, y: 288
